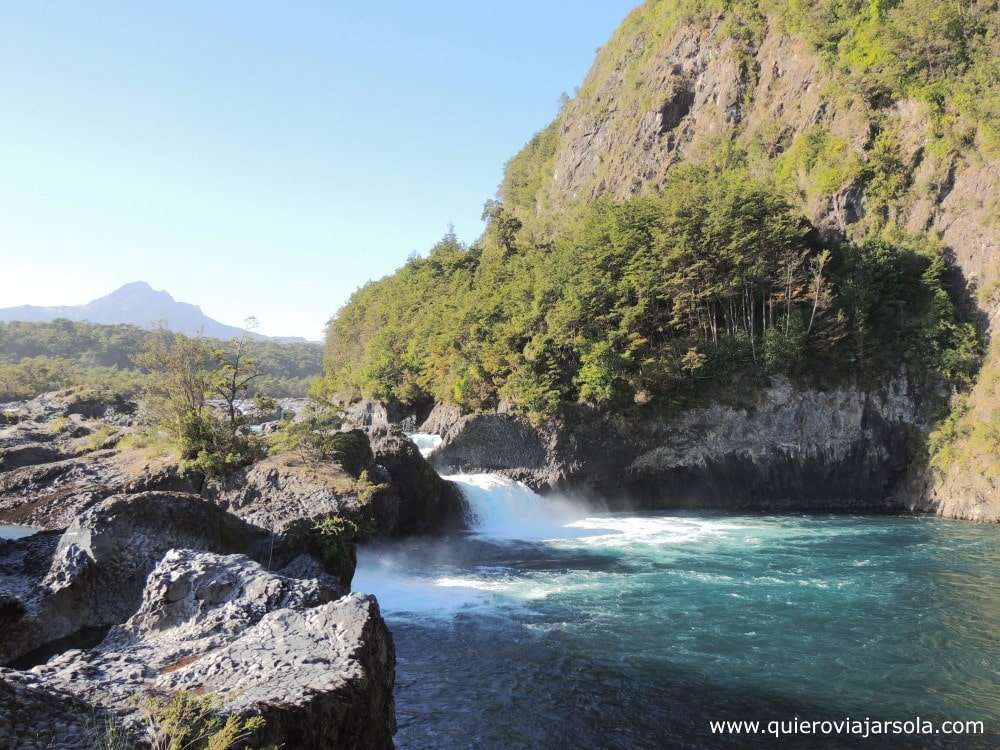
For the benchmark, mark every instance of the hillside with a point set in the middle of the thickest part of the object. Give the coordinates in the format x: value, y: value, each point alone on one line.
x: 136, y: 304
x: 40, y: 357
x: 738, y: 191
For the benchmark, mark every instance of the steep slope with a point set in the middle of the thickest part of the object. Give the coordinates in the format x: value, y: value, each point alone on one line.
x: 137, y: 304
x: 675, y: 84
x: 644, y: 256
x: 875, y: 117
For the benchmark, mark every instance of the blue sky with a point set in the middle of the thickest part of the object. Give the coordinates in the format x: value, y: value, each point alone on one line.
x: 263, y: 158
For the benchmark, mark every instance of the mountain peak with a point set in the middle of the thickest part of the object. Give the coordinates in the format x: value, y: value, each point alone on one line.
x: 135, y: 303
x: 137, y: 289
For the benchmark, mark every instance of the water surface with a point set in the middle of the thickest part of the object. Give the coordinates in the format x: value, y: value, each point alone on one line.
x: 16, y: 532
x: 552, y: 627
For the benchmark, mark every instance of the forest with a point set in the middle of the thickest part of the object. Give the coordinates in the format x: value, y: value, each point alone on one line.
x: 653, y: 299
x: 40, y: 357
x: 716, y: 274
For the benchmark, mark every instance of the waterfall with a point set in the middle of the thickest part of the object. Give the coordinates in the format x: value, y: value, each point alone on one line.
x: 426, y: 442
x: 504, y: 509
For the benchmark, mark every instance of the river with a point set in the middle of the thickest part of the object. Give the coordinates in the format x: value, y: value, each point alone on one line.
x: 551, y: 625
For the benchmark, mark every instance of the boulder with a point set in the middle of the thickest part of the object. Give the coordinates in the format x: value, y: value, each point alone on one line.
x: 441, y: 419
x: 419, y: 501
x: 319, y: 670
x: 370, y: 414
x: 94, y: 575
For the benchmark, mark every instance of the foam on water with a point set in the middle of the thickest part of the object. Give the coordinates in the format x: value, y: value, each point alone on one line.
x: 504, y: 509
x: 414, y: 596
x: 620, y: 531
x: 426, y: 442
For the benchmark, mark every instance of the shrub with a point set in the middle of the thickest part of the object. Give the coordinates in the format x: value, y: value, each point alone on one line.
x: 312, y: 435
x: 186, y: 721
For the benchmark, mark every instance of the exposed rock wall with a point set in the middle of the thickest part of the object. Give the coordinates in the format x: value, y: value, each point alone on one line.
x: 791, y: 448
x: 668, y: 89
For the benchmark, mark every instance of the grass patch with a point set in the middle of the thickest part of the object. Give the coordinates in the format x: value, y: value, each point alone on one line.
x: 151, y: 443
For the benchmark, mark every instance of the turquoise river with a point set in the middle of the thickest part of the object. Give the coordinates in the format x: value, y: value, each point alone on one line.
x: 554, y: 626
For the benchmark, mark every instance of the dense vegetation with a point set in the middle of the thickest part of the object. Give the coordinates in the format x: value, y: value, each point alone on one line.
x: 39, y: 357
x: 650, y: 299
x: 715, y: 275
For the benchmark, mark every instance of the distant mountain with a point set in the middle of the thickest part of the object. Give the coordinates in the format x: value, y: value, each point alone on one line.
x: 140, y: 305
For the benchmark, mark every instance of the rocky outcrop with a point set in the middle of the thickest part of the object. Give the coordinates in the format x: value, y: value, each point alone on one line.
x: 111, y: 408
x: 372, y: 414
x: 52, y: 495
x: 417, y: 500
x: 789, y: 448
x: 285, y: 489
x: 94, y: 575
x: 442, y: 417
x: 319, y: 670
x: 501, y: 443
x: 388, y: 483
x: 58, y: 457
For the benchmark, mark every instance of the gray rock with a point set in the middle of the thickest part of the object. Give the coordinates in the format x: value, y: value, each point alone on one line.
x: 95, y: 575
x: 371, y: 414
x: 320, y: 671
x: 789, y: 448
x: 441, y: 419
x: 52, y: 495
x: 29, y: 454
x: 283, y: 490
x: 288, y: 489
x: 37, y: 716
x: 418, y: 500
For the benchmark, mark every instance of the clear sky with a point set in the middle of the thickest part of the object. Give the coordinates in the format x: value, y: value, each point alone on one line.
x: 264, y: 158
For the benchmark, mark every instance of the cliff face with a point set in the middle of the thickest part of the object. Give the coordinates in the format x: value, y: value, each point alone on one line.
x: 666, y: 90
x: 789, y: 448
x: 674, y: 86
x: 964, y: 482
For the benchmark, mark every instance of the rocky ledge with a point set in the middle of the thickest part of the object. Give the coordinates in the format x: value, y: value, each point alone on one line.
x: 147, y: 584
x: 62, y: 453
x: 786, y: 448
x: 387, y: 480
x: 318, y: 670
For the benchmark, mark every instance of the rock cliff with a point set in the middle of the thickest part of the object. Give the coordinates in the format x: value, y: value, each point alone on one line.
x: 788, y: 448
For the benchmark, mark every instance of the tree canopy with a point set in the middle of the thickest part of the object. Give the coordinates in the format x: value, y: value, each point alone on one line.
x: 648, y: 300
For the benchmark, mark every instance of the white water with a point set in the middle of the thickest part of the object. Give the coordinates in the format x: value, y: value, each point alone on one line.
x: 426, y: 442
x: 504, y: 509
x: 430, y: 579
